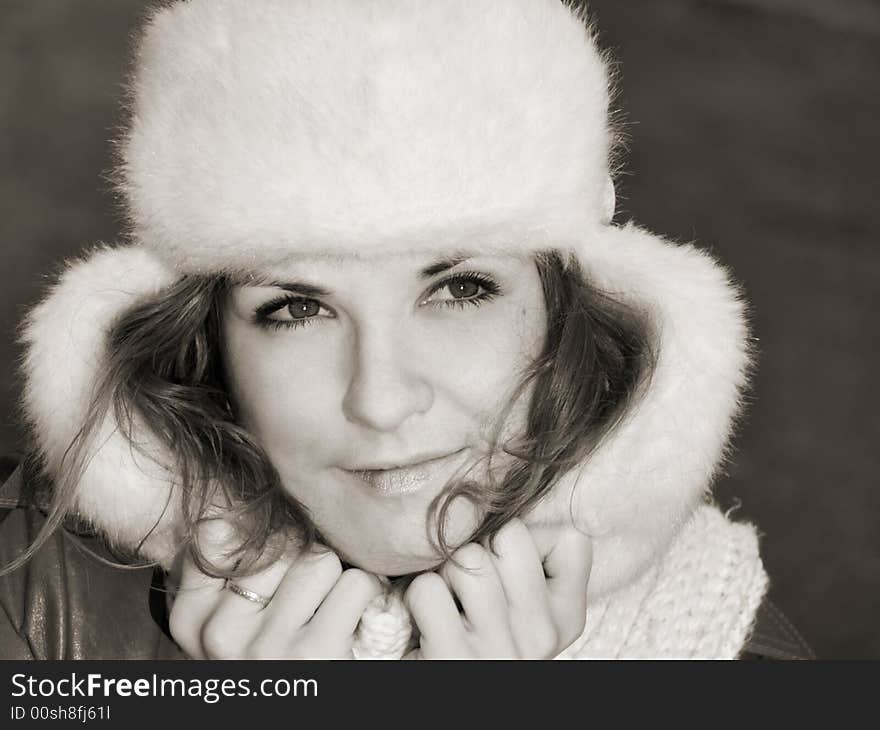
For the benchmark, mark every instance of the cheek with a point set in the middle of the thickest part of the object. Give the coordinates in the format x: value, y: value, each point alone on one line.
x: 283, y: 396
x: 487, y: 361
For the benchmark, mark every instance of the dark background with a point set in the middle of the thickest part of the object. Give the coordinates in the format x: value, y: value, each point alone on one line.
x: 753, y: 130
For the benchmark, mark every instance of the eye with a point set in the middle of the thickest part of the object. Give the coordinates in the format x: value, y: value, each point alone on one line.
x: 291, y: 311
x: 463, y: 289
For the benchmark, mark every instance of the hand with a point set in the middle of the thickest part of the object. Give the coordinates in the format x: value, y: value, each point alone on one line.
x: 314, y: 609
x: 528, y: 601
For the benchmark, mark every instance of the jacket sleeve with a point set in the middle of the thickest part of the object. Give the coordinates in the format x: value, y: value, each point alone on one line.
x: 66, y: 602
x: 12, y: 644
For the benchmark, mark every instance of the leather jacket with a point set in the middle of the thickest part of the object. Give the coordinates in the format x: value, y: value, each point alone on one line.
x: 65, y: 603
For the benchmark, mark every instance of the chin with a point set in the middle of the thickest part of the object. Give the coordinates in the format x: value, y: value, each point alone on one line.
x: 388, y: 536
x: 394, y: 567
x: 389, y: 554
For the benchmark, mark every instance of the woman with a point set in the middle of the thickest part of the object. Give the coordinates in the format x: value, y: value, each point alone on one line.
x: 375, y: 375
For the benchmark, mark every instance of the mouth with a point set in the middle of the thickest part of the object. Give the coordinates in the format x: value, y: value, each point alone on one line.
x: 407, y: 479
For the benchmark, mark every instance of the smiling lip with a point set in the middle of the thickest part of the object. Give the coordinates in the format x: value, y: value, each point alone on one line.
x: 403, y: 479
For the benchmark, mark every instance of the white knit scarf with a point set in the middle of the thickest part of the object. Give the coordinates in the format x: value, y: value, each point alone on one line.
x: 698, y: 601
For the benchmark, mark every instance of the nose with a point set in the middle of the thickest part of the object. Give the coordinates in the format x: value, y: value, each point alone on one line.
x: 388, y: 382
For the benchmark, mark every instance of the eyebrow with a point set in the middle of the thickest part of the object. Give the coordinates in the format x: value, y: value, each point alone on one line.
x: 442, y: 265
x: 310, y: 290
x: 300, y: 287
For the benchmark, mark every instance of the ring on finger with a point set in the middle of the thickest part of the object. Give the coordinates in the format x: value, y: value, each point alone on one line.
x: 247, y: 594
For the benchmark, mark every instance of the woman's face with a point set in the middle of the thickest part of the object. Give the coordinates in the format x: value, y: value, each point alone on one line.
x: 370, y: 383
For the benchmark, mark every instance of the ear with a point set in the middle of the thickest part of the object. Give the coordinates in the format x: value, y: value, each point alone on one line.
x: 645, y: 479
x: 124, y: 492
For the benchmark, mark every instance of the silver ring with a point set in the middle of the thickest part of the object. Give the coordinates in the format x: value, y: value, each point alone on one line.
x: 248, y: 595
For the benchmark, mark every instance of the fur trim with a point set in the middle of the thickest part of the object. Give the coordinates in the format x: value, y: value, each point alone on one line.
x: 646, y: 478
x: 123, y: 492
x: 261, y: 128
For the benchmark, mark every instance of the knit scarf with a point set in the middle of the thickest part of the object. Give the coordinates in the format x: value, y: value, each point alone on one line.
x: 698, y: 601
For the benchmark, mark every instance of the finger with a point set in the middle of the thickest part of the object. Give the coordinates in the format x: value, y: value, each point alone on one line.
x: 195, y: 598
x: 215, y: 540
x: 544, y: 537
x: 273, y: 631
x: 346, y: 602
x: 233, y: 607
x: 568, y: 566
x: 302, y: 589
x: 568, y: 562
x: 197, y: 594
x: 476, y: 584
x: 433, y: 609
x: 518, y: 564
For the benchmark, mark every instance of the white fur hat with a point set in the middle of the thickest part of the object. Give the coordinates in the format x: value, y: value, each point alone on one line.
x: 266, y: 129
x: 278, y: 126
